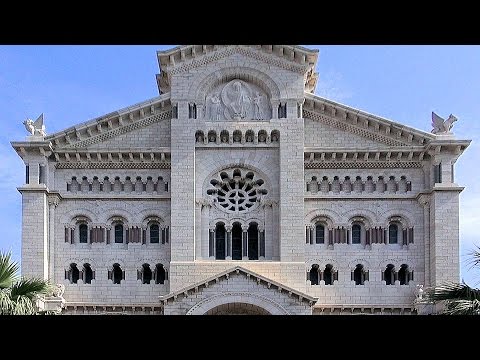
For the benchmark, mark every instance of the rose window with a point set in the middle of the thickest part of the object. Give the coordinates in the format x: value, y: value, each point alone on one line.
x: 236, y: 192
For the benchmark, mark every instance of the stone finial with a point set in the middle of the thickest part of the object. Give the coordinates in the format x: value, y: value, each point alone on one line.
x: 441, y: 126
x: 35, y: 128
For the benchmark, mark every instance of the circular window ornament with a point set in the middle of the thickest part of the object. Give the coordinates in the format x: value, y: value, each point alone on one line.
x: 236, y: 191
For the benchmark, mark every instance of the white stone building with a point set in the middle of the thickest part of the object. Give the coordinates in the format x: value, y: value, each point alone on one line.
x: 239, y: 191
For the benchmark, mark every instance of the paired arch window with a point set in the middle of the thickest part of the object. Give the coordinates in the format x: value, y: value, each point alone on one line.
x: 116, y: 274
x: 88, y: 274
x: 74, y: 274
x: 405, y: 275
x: 359, y: 275
x: 146, y: 274
x: 328, y: 275
x: 390, y: 275
x: 158, y: 275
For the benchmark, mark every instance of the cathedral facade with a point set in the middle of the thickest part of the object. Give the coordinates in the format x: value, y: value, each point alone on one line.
x: 239, y: 191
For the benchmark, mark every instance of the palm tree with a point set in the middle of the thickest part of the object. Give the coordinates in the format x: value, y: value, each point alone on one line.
x: 459, y: 299
x: 18, y: 295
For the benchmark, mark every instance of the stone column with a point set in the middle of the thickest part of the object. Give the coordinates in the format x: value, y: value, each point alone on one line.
x: 205, y: 231
x: 53, y: 201
x: 312, y: 234
x: 198, y: 230
x: 211, y: 244
x: 261, y: 243
x: 424, y: 201
x: 244, y: 242
x: 228, y: 248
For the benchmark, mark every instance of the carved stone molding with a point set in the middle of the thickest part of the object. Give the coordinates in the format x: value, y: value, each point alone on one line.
x: 114, y: 165
x: 121, y: 130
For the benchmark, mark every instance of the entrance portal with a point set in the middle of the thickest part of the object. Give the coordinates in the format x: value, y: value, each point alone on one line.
x: 237, y: 309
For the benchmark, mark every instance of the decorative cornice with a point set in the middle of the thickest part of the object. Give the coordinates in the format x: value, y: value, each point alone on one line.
x: 362, y: 123
x: 365, y: 309
x: 112, y: 165
x: 130, y: 118
x: 157, y: 158
x: 363, y: 165
x: 338, y: 158
x: 122, y: 130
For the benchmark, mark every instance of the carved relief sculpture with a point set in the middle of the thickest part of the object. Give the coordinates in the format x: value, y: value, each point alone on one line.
x: 237, y: 100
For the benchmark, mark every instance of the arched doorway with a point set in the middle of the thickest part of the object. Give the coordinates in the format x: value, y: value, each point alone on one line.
x: 236, y: 241
x: 235, y: 302
x: 237, y: 309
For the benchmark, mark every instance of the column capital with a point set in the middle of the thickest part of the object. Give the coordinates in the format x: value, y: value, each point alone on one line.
x: 53, y: 199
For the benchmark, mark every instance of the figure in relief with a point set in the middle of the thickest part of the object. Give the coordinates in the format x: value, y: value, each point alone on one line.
x: 215, y: 107
x: 236, y: 97
x: 257, y: 103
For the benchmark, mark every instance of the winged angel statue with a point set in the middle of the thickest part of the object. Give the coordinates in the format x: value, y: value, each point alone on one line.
x: 441, y: 126
x: 35, y: 127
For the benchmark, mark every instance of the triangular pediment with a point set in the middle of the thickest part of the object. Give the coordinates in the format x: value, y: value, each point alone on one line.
x: 375, y: 130
x: 187, y: 57
x: 112, y: 129
x: 263, y: 281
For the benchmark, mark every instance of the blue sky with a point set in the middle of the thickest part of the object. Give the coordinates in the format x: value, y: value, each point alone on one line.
x: 72, y: 84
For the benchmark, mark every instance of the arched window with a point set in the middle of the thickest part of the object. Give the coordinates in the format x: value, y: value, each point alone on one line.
x: 119, y: 233
x: 83, y: 233
x: 154, y: 234
x: 117, y: 275
x: 88, y: 274
x: 236, y: 241
x: 389, y: 275
x: 356, y: 234
x: 393, y: 234
x: 328, y: 275
x: 314, y: 275
x: 359, y: 275
x: 405, y: 275
x: 253, y: 241
x: 73, y: 274
x: 146, y: 274
x: 160, y: 274
x: 319, y: 234
x: 220, y: 241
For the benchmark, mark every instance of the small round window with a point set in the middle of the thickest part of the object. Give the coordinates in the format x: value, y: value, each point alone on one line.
x: 236, y: 190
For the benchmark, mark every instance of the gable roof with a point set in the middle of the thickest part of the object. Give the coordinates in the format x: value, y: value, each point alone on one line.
x: 183, y: 58
x: 112, y: 124
x: 239, y: 270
